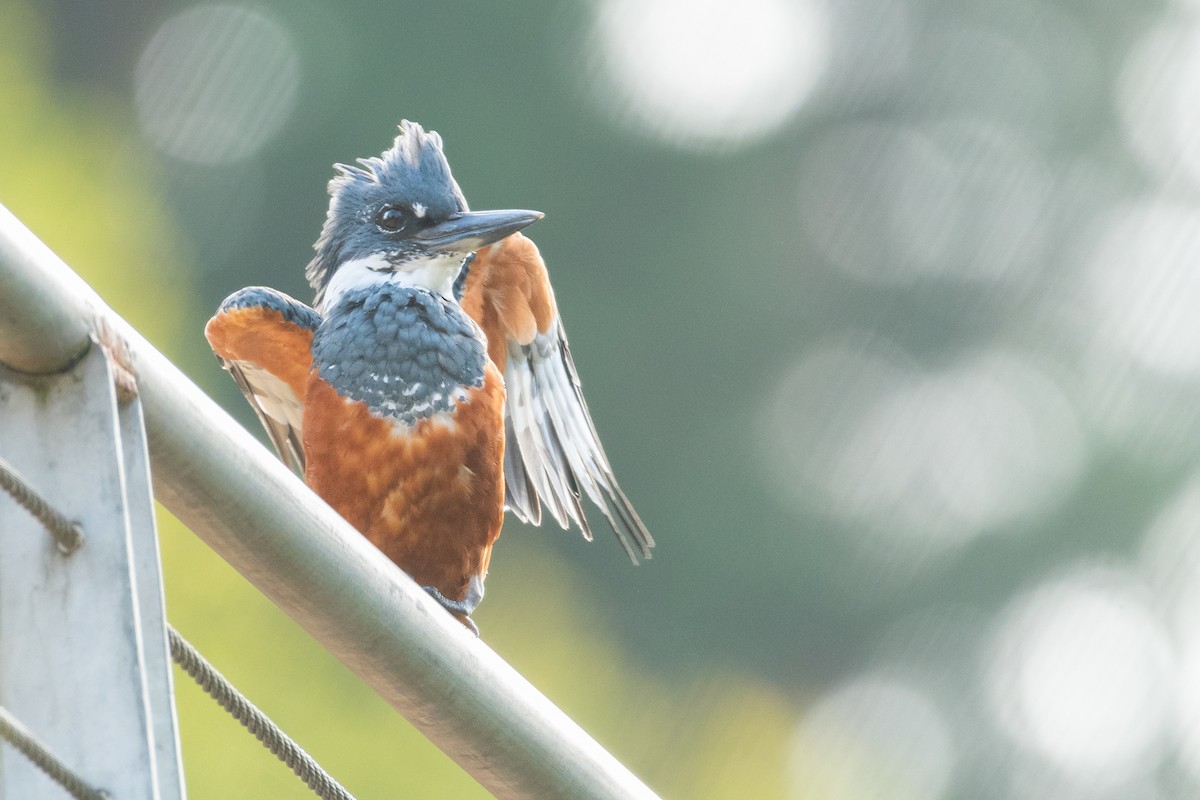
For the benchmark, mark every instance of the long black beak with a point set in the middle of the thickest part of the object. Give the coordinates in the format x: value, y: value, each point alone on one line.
x: 471, y: 230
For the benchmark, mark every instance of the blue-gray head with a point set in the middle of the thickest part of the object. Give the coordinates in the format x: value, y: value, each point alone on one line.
x: 400, y: 218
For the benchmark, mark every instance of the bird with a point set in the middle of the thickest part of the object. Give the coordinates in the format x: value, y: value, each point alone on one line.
x: 429, y: 387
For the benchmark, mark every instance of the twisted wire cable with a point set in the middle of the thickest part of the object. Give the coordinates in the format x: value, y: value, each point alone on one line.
x: 67, y: 534
x: 254, y: 720
x: 36, y: 751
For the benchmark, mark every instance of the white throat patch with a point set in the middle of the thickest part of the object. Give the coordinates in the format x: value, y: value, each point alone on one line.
x: 436, y: 274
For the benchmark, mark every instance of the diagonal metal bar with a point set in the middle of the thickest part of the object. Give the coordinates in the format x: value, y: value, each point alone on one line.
x: 262, y: 520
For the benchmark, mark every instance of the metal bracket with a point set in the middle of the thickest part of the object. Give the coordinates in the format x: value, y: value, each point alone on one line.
x: 84, y: 660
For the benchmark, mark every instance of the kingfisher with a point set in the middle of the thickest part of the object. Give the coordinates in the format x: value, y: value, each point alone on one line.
x: 430, y: 385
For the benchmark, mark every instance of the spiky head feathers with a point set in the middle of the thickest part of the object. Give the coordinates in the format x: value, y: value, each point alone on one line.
x: 412, y: 174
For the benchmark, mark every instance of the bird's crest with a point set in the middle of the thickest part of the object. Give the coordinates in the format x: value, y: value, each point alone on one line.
x: 413, y: 170
x: 415, y: 162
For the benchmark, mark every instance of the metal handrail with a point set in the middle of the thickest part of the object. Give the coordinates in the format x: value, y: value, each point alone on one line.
x: 217, y: 479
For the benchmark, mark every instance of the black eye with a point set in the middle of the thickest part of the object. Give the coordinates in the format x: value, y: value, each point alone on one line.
x: 392, y: 218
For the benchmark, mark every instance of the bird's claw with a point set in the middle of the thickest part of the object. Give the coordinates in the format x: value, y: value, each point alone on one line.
x: 461, y: 609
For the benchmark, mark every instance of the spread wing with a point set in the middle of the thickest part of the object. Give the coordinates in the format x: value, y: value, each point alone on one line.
x: 552, y: 453
x: 264, y: 338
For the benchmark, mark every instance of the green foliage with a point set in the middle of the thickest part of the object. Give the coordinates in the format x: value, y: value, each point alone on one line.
x: 72, y: 173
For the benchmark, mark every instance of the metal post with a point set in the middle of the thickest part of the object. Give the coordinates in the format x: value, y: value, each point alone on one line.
x: 83, y: 658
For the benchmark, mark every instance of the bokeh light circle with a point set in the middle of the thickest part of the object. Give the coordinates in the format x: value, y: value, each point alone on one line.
x: 1004, y: 190
x: 1157, y: 97
x: 873, y: 737
x: 1188, y: 700
x: 997, y: 79
x: 890, y: 204
x: 879, y: 201
x: 871, y: 52
x: 1171, y: 559
x: 710, y: 73
x: 1081, y: 671
x: 215, y: 83
x: 920, y: 460
x: 1144, y: 287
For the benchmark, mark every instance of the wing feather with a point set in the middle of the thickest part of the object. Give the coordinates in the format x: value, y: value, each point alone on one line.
x: 264, y: 339
x: 553, y: 455
x: 283, y: 434
x: 520, y: 493
x: 530, y: 447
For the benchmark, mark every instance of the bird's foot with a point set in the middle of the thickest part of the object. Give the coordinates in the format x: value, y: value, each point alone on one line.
x: 461, y: 609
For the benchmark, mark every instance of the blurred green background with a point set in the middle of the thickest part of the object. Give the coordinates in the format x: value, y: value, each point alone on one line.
x: 888, y: 312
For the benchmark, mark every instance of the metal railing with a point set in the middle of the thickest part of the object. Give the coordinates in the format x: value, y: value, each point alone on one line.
x: 260, y: 518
